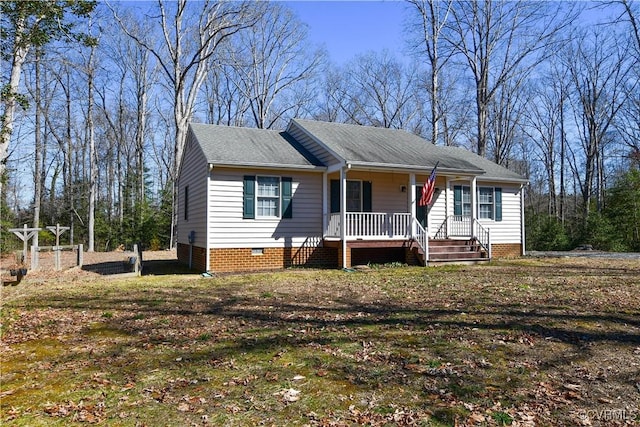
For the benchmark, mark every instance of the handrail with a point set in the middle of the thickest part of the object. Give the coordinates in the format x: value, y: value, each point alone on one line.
x: 422, y: 239
x: 483, y: 236
x: 442, y: 230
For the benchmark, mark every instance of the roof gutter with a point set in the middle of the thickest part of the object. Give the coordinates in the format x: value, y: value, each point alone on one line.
x: 413, y: 169
x: 309, y: 168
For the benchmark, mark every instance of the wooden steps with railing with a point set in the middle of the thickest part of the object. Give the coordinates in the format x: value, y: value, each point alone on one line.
x: 443, y: 251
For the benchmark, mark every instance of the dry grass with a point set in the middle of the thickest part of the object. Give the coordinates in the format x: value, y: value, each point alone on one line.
x: 528, y: 342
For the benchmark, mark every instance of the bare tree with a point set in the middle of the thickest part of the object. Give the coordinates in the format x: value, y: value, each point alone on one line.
x: 191, y: 34
x: 381, y: 91
x: 431, y: 17
x: 544, y: 128
x: 599, y: 70
x: 500, y: 40
x: 272, y: 60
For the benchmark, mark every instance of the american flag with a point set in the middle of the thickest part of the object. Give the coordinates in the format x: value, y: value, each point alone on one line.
x: 428, y: 188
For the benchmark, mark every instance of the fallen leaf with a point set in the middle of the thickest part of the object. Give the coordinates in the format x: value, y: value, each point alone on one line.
x: 290, y: 395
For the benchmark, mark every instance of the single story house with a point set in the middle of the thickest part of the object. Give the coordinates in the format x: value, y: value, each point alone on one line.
x: 331, y: 194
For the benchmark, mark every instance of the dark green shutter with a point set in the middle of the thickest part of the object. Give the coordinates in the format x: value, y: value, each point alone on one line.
x: 498, y: 197
x: 457, y: 200
x: 421, y: 211
x: 249, y: 197
x: 287, y: 193
x: 366, y: 196
x: 335, y: 195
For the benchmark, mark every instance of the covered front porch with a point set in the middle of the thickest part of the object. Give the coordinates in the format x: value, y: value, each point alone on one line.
x: 382, y: 212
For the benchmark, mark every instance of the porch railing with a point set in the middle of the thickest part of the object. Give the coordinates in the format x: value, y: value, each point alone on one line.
x: 371, y: 225
x: 465, y: 226
x: 454, y: 225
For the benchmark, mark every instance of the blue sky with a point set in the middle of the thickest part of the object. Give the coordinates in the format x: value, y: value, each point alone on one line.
x: 348, y: 28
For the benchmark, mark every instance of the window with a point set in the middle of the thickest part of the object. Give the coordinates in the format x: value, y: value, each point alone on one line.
x: 358, y: 194
x: 462, y: 200
x: 354, y: 196
x: 489, y: 202
x: 268, y: 197
x: 485, y: 203
x: 186, y: 203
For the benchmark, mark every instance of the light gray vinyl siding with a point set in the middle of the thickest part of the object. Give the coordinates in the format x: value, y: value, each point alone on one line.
x: 386, y: 196
x: 508, y: 230
x: 193, y: 173
x: 438, y: 210
x: 314, y: 148
x: 227, y: 228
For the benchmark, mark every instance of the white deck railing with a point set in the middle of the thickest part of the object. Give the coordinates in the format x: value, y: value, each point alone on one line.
x: 454, y: 226
x: 371, y: 225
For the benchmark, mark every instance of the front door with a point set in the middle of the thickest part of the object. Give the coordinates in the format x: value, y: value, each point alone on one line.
x: 421, y: 211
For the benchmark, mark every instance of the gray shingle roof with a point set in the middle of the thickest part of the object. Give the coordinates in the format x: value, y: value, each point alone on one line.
x: 235, y: 146
x: 492, y: 170
x: 365, y: 145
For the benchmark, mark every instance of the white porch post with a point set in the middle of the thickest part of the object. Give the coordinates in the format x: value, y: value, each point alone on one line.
x: 343, y: 215
x: 412, y: 202
x: 474, y: 206
x: 522, y: 229
x: 447, y: 197
x: 325, y: 208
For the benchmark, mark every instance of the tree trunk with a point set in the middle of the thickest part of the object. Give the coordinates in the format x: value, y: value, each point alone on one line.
x: 93, y: 158
x: 19, y: 56
x: 38, y: 179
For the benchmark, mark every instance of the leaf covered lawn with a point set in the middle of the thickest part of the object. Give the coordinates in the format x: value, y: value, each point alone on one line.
x: 522, y: 343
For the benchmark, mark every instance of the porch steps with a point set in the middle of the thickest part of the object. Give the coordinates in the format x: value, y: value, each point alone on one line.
x: 442, y: 251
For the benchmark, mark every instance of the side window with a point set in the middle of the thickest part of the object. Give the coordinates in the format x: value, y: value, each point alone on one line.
x: 490, y: 203
x: 267, y: 197
x: 485, y: 202
x: 186, y: 203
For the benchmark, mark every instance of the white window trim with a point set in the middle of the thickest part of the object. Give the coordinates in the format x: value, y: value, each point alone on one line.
x: 278, y: 197
x: 493, y: 202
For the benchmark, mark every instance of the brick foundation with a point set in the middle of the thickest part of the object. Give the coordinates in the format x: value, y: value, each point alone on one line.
x: 242, y: 259
x: 198, y: 259
x: 506, y: 250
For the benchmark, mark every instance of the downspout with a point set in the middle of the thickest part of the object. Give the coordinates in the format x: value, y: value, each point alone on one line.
x: 207, y: 256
